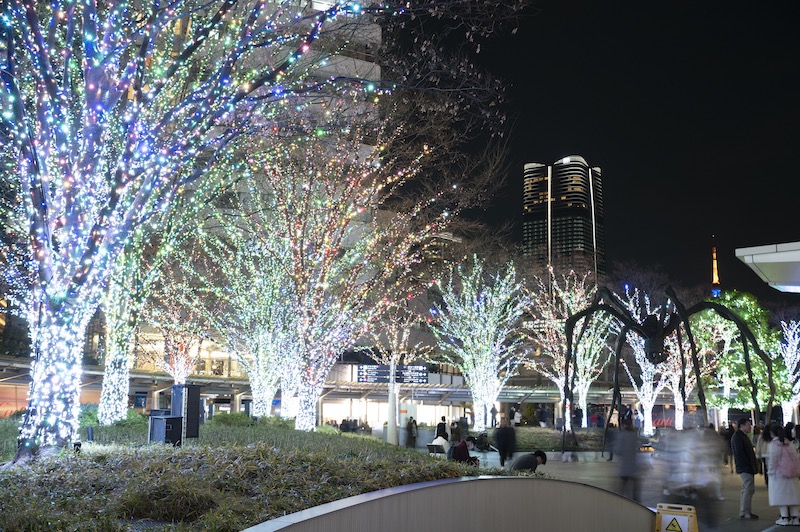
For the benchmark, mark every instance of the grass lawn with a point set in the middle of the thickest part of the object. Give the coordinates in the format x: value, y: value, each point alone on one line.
x: 532, y: 438
x: 235, y: 475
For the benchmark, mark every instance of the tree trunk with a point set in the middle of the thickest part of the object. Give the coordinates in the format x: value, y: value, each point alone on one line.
x: 116, y: 377
x: 290, y: 385
x: 263, y: 394
x: 51, y: 419
x: 679, y: 412
x: 483, y: 407
x: 307, y: 415
x: 391, y: 424
x: 583, y: 402
x: 290, y: 404
x: 648, y: 429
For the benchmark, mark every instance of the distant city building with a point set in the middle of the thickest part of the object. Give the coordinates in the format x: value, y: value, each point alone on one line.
x: 562, y: 221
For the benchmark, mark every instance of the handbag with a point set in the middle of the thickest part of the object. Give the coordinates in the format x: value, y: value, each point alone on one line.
x: 789, y: 462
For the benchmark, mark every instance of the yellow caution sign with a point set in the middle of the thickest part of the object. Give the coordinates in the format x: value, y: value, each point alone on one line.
x: 675, y: 518
x: 674, y: 526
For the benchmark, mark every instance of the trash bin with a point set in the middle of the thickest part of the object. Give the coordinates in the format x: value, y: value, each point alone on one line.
x: 166, y: 429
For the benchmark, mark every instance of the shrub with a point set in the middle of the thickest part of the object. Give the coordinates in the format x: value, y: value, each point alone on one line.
x: 237, y: 419
x: 326, y: 429
x: 133, y: 419
x: 88, y: 416
x: 200, y: 486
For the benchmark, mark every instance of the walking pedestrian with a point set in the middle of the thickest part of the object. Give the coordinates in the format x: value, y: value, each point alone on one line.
x: 505, y: 439
x: 784, y: 486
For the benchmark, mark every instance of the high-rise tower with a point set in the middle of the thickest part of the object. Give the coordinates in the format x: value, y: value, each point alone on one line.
x: 562, y: 221
x: 715, y: 286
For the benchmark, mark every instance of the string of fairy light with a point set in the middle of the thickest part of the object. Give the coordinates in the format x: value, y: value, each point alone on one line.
x: 247, y: 310
x: 340, y: 249
x: 102, y: 137
x: 475, y: 326
x: 790, y: 354
x: 556, y: 298
x: 107, y: 107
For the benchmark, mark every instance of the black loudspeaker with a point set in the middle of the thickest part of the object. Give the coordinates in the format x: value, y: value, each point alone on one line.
x: 186, y: 404
x: 166, y: 429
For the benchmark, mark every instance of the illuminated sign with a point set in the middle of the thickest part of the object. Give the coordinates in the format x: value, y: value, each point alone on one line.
x: 379, y: 373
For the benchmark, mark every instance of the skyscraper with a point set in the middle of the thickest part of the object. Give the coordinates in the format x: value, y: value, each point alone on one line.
x: 562, y: 221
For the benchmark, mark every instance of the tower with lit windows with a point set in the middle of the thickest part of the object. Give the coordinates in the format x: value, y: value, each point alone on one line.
x: 562, y: 221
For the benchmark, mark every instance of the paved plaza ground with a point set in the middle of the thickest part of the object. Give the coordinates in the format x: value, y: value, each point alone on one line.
x: 592, y: 469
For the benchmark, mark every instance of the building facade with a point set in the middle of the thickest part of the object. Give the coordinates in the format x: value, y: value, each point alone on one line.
x: 563, y: 215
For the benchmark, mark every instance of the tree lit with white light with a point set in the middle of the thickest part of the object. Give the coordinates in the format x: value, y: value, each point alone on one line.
x: 477, y: 326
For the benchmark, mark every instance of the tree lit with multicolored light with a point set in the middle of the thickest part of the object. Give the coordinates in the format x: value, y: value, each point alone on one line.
x: 110, y: 111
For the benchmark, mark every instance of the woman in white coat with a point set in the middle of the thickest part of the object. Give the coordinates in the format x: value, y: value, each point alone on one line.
x: 784, y: 491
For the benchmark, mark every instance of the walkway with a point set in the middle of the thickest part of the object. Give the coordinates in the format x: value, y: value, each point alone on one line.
x: 594, y: 470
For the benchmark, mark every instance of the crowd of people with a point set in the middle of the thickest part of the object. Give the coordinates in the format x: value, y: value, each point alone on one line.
x: 694, y: 459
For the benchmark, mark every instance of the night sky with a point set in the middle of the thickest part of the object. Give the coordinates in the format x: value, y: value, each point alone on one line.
x: 691, y: 109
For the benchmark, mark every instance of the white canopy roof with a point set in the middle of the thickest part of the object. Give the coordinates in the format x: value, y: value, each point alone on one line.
x: 777, y: 264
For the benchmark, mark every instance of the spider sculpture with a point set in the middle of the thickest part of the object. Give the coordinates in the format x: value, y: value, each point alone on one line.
x: 654, y: 330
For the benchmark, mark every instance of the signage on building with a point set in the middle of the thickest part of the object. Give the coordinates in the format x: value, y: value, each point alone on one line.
x: 379, y: 373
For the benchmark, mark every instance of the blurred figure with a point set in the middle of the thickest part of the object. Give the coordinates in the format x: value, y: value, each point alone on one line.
x: 626, y: 449
x: 709, y: 448
x: 455, y: 432
x: 505, y: 439
x: 784, y: 486
x: 693, y: 476
x: 577, y: 418
x: 611, y: 435
x: 728, y: 434
x: 411, y: 432
x: 762, y: 451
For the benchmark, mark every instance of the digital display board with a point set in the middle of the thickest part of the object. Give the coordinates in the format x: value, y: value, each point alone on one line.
x: 379, y: 373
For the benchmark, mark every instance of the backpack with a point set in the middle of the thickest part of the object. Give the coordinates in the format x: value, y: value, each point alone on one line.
x: 789, y: 462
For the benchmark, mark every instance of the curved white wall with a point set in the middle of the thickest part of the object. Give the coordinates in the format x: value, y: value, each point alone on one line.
x: 474, y: 503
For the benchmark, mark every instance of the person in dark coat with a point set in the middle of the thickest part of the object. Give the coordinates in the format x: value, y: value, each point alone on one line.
x: 461, y: 451
x: 529, y: 461
x: 505, y: 439
x: 411, y: 432
x: 441, y: 429
x: 744, y: 457
x: 455, y: 432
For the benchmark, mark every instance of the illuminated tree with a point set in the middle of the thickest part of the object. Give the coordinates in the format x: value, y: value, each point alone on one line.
x: 240, y: 289
x: 476, y: 325
x: 731, y: 372
x: 650, y: 378
x: 393, y: 332
x: 679, y: 364
x: 790, y: 353
x: 555, y: 300
x: 136, y: 270
x: 331, y: 201
x: 182, y: 329
x: 102, y: 107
